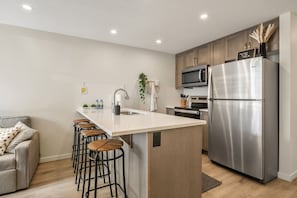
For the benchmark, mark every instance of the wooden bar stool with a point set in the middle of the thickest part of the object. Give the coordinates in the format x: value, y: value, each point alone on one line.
x: 75, y: 123
x: 80, y: 127
x: 87, y: 137
x: 96, y: 148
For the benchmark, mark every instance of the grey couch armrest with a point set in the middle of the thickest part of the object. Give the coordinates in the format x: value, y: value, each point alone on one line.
x: 27, y: 159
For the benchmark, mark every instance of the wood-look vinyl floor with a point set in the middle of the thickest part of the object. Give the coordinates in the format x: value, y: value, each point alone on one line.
x: 56, y: 180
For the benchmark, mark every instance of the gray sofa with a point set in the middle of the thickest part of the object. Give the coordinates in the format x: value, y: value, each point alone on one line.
x: 17, y: 169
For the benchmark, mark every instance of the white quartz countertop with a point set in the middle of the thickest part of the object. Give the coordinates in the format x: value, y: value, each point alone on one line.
x: 144, y: 121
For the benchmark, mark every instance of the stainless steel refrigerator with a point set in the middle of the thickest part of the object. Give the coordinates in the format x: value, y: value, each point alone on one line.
x: 243, y: 117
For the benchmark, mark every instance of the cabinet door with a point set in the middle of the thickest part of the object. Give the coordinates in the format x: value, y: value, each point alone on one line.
x: 218, y: 52
x: 234, y: 44
x: 190, y: 58
x: 204, y: 116
x: 179, y: 65
x: 203, y: 55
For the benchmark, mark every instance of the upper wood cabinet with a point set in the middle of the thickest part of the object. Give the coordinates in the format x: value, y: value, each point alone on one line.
x: 218, y: 52
x: 234, y: 44
x: 203, y: 55
x: 180, y: 64
x: 190, y: 58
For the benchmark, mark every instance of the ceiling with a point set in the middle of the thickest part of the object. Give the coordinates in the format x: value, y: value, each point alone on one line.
x: 140, y: 22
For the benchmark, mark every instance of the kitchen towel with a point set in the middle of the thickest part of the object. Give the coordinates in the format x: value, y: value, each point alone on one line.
x: 153, y: 106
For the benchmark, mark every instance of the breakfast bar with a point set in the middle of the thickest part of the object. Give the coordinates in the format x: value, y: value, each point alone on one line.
x: 162, y: 151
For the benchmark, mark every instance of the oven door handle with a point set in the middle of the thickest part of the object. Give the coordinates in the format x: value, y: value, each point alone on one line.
x: 186, y: 111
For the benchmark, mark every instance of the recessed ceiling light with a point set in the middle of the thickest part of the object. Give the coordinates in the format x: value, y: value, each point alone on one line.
x: 113, y: 31
x: 27, y: 7
x: 204, y: 16
x: 158, y: 41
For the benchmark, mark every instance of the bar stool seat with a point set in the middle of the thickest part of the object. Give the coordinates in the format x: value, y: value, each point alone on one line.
x: 105, y: 145
x: 80, y: 120
x: 92, y: 132
x: 86, y: 125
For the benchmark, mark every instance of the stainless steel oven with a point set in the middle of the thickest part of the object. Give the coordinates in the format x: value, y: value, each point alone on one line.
x: 197, y: 102
x: 195, y: 76
x: 190, y: 113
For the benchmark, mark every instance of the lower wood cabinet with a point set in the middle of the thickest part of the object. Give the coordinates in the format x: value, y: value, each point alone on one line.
x: 204, y: 116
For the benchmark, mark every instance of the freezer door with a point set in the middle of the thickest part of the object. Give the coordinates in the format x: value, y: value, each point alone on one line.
x: 237, y: 80
x: 235, y: 135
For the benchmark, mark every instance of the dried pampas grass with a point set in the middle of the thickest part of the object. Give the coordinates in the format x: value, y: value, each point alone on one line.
x: 261, y: 34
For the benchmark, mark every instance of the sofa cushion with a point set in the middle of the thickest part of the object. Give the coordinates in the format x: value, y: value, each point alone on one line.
x: 26, y: 133
x: 7, y: 162
x: 6, y: 136
x: 6, y: 121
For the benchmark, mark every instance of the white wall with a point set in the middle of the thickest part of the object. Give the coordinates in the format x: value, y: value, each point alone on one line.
x: 41, y: 76
x: 288, y: 95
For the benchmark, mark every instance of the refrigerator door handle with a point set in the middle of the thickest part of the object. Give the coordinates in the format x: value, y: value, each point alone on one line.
x: 210, y: 97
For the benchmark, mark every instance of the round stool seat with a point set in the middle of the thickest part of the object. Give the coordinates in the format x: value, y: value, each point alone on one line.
x: 80, y: 120
x: 86, y: 126
x: 105, y: 145
x: 91, y: 133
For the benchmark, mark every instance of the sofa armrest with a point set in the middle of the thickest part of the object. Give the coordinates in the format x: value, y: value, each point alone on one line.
x: 27, y: 159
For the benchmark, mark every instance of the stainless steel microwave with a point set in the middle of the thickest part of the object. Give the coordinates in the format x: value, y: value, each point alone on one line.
x: 195, y: 76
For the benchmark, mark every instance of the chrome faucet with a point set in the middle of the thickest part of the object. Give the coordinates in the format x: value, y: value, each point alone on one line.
x: 114, y: 94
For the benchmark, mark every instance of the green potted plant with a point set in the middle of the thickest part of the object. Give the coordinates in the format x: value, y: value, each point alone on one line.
x: 85, y: 106
x: 93, y: 106
x: 142, y: 79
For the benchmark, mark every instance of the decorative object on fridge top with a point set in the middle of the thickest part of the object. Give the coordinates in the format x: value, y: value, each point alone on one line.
x: 142, y: 79
x: 262, y: 36
x: 246, y: 54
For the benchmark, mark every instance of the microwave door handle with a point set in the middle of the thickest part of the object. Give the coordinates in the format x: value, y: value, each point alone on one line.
x: 199, y: 75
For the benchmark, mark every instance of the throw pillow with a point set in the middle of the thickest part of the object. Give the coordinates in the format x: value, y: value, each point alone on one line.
x: 25, y: 133
x: 6, y: 136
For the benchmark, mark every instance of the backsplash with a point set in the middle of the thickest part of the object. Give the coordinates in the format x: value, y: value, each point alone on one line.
x: 196, y: 91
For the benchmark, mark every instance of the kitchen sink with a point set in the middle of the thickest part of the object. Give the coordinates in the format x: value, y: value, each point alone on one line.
x: 129, y: 113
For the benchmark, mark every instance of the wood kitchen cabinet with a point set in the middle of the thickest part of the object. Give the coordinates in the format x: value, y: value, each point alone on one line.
x: 180, y: 64
x: 203, y: 55
x: 218, y: 52
x: 235, y: 43
x: 190, y: 58
x: 204, y: 116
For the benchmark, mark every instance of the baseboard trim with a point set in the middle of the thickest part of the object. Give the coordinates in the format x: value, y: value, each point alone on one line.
x: 287, y: 177
x: 55, y: 157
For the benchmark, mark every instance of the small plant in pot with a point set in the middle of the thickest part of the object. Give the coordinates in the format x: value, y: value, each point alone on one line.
x: 85, y: 106
x: 142, y: 79
x: 93, y: 106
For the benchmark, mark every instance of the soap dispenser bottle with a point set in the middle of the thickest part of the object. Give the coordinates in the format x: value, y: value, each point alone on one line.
x: 117, y: 109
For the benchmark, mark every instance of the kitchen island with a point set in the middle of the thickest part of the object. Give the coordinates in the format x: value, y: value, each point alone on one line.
x: 163, y: 152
